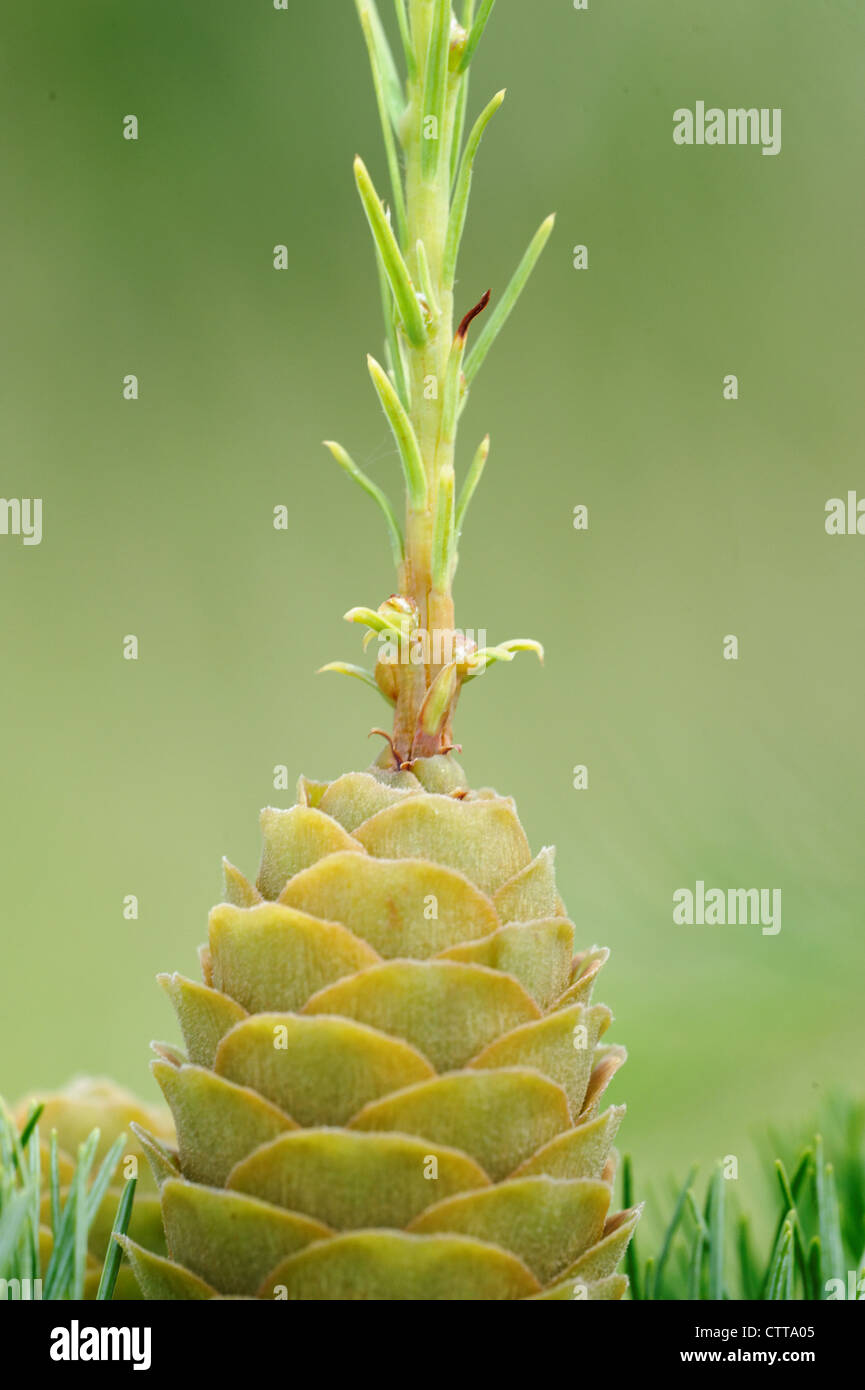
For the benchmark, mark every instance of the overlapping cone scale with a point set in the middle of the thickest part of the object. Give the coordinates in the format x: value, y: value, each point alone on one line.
x: 393, y: 1069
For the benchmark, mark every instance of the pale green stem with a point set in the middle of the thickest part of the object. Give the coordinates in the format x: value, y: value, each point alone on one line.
x: 424, y: 396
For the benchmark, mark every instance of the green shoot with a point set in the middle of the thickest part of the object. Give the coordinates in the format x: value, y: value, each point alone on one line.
x: 403, y: 433
x: 500, y: 315
x: 476, y: 33
x: 816, y: 1247
x: 473, y: 477
x: 678, y: 1213
x: 374, y: 491
x: 433, y: 115
x: 114, y: 1253
x: 424, y: 388
x: 631, y: 1264
x: 443, y: 534
x: 358, y: 673
x: 459, y: 207
x: 391, y: 257
x: 387, y: 115
x: 716, y: 1236
x: 405, y: 35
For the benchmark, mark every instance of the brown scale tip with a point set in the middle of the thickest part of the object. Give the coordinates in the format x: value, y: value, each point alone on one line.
x: 462, y: 331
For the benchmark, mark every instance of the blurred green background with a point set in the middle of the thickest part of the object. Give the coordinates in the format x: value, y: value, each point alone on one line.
x: 706, y: 517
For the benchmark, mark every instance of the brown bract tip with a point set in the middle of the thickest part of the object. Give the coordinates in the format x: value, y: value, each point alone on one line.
x: 462, y: 331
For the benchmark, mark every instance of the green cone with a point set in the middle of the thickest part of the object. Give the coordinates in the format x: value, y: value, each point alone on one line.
x: 394, y: 1069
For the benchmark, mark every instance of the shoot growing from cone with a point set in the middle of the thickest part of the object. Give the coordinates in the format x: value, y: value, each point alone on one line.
x: 429, y: 365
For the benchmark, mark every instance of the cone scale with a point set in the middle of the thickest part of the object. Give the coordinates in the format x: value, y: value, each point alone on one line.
x: 393, y: 1068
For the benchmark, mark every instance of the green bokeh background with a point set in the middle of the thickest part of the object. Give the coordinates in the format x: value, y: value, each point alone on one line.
x: 706, y: 517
